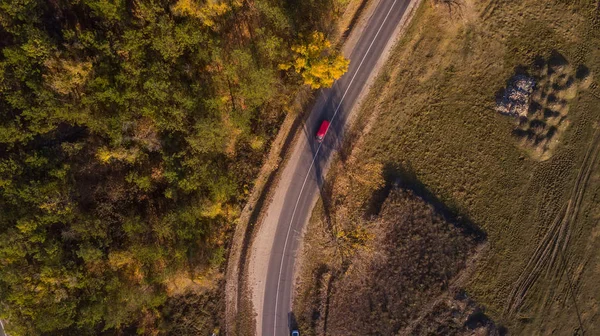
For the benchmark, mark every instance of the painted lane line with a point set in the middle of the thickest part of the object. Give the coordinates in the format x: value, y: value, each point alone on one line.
x: 313, y: 162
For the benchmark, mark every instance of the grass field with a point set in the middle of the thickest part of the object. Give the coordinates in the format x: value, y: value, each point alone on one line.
x: 435, y: 128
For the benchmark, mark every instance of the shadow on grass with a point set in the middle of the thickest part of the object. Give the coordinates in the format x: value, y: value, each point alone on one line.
x: 399, y: 176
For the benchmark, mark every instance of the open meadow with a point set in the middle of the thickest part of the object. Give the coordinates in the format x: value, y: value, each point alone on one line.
x: 530, y: 184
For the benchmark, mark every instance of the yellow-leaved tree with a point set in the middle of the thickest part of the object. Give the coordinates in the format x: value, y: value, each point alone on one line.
x: 67, y: 76
x: 205, y: 11
x: 316, y: 62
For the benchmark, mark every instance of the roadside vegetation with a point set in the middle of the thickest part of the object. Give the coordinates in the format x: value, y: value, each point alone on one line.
x: 531, y: 184
x: 402, y: 260
x: 130, y: 135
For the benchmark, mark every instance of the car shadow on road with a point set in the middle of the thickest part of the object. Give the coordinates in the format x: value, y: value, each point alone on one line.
x: 331, y: 144
x: 292, y: 322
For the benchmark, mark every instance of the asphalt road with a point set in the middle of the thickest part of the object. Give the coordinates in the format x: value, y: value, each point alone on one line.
x: 334, y: 105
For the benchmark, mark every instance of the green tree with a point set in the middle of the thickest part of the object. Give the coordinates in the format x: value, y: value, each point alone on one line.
x: 129, y: 132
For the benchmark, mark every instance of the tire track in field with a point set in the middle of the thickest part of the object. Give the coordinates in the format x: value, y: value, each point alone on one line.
x: 489, y: 9
x: 554, y: 243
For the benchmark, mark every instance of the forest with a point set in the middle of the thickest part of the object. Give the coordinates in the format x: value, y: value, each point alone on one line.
x: 130, y: 134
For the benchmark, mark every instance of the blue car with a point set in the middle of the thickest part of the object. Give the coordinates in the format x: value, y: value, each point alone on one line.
x: 295, y: 333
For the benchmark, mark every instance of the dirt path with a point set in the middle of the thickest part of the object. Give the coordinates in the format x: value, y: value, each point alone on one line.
x: 549, y: 254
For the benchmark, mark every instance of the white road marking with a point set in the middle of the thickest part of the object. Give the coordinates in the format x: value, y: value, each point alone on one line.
x: 313, y: 162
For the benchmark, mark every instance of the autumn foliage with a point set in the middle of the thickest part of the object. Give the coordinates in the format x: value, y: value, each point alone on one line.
x: 316, y: 62
x: 129, y: 131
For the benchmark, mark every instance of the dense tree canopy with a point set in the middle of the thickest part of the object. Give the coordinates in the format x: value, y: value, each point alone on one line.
x: 129, y: 130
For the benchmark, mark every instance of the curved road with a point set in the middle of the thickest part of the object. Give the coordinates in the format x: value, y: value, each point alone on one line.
x: 334, y: 104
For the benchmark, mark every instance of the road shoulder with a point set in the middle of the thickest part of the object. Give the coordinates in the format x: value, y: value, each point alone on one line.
x: 400, y: 30
x: 237, y: 311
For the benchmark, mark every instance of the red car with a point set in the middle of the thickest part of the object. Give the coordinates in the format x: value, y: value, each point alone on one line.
x: 322, y: 130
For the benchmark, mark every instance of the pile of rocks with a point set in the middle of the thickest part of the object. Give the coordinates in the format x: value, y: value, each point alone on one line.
x: 515, y: 101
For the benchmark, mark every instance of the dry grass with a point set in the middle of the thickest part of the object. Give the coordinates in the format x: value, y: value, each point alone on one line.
x: 558, y: 83
x: 411, y: 247
x: 380, y: 274
x: 436, y: 128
